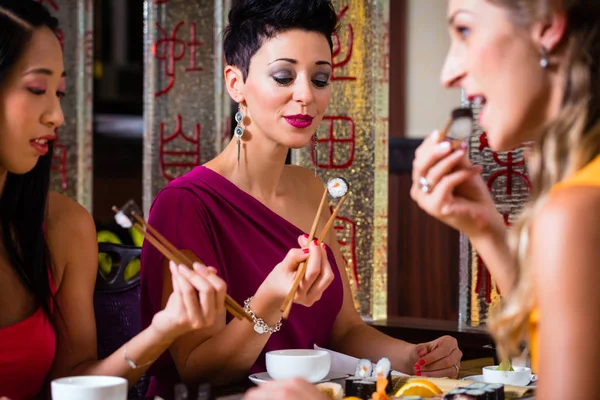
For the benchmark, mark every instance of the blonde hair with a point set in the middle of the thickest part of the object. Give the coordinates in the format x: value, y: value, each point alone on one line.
x: 565, y: 145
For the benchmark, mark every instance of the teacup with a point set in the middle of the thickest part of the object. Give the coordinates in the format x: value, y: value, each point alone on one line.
x: 521, y: 376
x: 312, y: 365
x: 89, y: 388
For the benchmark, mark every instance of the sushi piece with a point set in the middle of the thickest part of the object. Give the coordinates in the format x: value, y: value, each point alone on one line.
x: 496, y: 391
x: 338, y: 187
x: 123, y: 220
x: 333, y: 391
x: 462, y: 124
x: 467, y: 394
x: 363, y: 389
x: 383, y: 369
x: 476, y: 385
x: 363, y: 368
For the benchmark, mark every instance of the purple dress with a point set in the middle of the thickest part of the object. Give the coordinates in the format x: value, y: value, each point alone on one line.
x: 243, y: 239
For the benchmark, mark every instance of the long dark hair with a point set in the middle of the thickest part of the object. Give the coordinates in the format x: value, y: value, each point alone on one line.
x: 23, y: 202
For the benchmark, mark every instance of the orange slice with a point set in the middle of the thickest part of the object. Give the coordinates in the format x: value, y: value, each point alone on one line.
x: 419, y: 387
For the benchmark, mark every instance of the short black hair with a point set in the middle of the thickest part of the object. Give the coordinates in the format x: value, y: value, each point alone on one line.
x: 250, y: 22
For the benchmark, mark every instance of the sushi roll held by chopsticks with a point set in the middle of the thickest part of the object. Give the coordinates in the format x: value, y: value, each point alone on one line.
x: 338, y: 188
x: 458, y: 128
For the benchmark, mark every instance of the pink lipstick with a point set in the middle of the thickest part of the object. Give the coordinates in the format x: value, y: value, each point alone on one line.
x: 41, y: 144
x: 299, y: 121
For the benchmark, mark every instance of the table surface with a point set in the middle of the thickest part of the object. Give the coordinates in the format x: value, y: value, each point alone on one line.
x: 467, y: 368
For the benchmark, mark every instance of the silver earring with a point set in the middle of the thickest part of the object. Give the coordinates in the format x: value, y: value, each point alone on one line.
x: 238, y: 131
x: 544, y: 58
x: 315, y: 154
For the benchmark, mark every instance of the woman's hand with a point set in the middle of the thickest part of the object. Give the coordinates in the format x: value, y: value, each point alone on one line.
x: 292, y: 389
x: 198, y: 297
x: 317, y: 278
x: 454, y: 191
x: 439, y: 358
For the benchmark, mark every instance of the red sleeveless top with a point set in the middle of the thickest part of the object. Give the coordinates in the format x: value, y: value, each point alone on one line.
x: 27, y: 351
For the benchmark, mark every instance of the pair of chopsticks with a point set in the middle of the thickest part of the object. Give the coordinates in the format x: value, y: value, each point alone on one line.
x: 286, y: 306
x: 178, y: 257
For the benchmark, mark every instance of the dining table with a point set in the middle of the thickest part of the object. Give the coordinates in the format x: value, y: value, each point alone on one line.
x: 236, y: 391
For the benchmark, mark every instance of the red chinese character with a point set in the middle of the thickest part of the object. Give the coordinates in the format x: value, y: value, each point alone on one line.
x: 337, y: 49
x: 384, y: 62
x: 186, y: 159
x: 336, y: 143
x: 51, y: 3
x: 345, y: 230
x: 61, y: 38
x: 509, y: 171
x: 88, y: 52
x: 59, y: 161
x: 484, y: 275
x: 170, y: 50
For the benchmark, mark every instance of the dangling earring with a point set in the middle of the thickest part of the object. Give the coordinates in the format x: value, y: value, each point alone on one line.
x: 315, y: 154
x: 238, y: 131
x: 544, y: 62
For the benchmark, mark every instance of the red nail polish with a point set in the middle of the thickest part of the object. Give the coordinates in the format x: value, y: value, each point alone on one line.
x: 324, y: 246
x: 418, y: 373
x: 315, y: 242
x: 305, y: 235
x: 305, y: 251
x: 421, y: 362
x: 417, y: 367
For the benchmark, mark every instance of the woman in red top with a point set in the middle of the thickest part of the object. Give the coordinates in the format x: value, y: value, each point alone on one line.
x: 48, y: 251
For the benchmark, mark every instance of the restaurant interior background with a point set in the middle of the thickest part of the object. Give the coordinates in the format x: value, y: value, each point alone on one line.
x: 423, y: 255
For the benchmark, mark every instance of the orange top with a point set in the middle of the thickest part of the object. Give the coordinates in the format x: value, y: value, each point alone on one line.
x: 587, y: 176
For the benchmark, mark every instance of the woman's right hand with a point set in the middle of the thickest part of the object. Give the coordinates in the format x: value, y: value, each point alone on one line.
x: 456, y: 195
x: 198, y: 297
x: 317, y: 278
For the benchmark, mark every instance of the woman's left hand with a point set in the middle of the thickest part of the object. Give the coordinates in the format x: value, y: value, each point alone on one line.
x: 439, y: 358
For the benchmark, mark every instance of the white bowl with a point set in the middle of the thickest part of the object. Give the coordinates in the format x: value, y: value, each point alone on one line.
x: 312, y: 365
x: 521, y: 376
x: 89, y: 388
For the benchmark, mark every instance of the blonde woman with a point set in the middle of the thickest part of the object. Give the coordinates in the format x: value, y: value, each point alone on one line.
x: 535, y: 66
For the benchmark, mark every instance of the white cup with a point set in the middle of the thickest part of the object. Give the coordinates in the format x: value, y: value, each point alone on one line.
x: 89, y: 388
x: 521, y: 376
x: 312, y: 365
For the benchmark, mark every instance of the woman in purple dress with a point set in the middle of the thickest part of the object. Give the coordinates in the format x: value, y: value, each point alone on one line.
x: 242, y: 211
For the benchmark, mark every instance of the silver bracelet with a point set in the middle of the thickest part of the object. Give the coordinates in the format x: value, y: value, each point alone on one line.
x: 260, y: 326
x: 132, y: 363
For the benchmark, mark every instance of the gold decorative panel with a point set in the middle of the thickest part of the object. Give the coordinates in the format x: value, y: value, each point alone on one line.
x: 353, y: 143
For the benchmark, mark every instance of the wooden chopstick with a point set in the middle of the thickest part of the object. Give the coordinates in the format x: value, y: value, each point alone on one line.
x: 288, y: 301
x: 178, y: 257
x: 286, y: 305
x: 334, y: 214
x: 302, y: 268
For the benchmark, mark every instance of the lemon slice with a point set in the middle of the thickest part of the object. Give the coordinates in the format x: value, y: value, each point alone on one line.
x: 419, y: 387
x: 505, y: 366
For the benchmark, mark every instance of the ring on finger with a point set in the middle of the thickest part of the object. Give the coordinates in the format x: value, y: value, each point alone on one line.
x: 425, y: 185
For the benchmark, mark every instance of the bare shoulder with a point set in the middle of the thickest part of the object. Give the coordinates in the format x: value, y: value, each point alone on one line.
x: 566, y: 231
x: 66, y: 215
x: 71, y: 233
x: 571, y: 208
